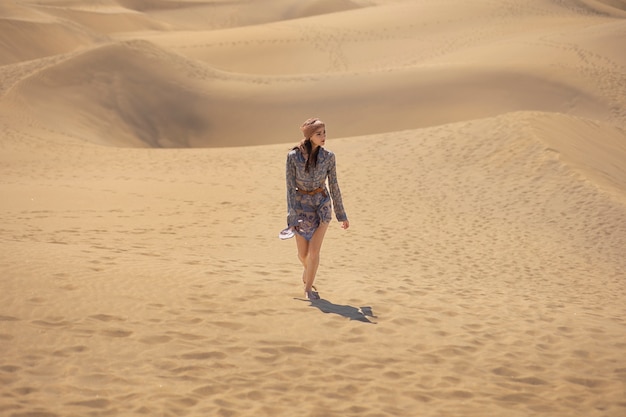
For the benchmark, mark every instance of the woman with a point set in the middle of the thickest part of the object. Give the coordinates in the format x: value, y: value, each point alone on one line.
x: 308, y: 200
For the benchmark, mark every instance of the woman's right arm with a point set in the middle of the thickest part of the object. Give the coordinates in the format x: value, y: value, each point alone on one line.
x: 291, y: 190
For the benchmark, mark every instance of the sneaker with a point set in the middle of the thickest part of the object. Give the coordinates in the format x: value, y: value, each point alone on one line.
x: 286, y: 233
x: 289, y: 232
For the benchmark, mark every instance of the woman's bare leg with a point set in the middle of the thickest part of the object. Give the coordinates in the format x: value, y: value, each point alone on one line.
x: 313, y: 256
x: 303, y: 253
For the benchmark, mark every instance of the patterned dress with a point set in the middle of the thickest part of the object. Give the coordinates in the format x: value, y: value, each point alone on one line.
x: 306, y: 212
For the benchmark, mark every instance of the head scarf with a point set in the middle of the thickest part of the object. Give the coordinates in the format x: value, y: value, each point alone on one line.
x: 310, y: 126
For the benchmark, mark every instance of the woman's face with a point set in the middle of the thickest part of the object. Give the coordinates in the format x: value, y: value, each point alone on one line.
x: 319, y: 137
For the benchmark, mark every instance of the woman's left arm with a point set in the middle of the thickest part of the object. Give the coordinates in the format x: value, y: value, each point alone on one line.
x: 335, y: 192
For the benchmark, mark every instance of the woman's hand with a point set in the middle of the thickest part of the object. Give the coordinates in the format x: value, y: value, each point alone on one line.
x: 345, y: 224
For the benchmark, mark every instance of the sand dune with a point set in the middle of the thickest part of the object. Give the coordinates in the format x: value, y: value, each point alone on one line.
x: 499, y: 290
x: 106, y: 20
x: 576, y: 141
x: 120, y: 94
x: 430, y: 71
x: 615, y: 8
x: 22, y: 40
x: 213, y: 15
x: 117, y: 83
x: 373, y: 38
x: 481, y: 152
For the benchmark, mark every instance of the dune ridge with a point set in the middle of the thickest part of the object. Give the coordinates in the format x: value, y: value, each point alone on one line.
x: 600, y: 161
x: 480, y: 151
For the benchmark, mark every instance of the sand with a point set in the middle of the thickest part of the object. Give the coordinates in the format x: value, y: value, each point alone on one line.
x: 481, y: 151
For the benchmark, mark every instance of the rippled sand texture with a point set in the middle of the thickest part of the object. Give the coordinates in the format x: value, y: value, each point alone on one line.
x: 482, y: 158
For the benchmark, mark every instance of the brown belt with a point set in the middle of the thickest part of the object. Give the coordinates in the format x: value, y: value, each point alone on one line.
x: 313, y: 192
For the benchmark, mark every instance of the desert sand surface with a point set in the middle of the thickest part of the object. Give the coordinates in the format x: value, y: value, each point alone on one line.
x: 481, y: 151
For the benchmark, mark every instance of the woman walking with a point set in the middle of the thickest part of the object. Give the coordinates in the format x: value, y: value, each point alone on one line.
x: 309, y: 165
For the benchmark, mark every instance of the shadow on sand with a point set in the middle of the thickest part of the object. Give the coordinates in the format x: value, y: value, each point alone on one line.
x: 352, y: 313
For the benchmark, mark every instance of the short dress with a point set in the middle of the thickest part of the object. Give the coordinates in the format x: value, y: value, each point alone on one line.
x: 305, y: 212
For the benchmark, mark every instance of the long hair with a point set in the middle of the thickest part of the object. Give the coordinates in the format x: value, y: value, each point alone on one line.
x: 308, y: 128
x: 305, y: 147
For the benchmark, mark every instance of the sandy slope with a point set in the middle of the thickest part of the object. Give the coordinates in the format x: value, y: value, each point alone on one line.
x: 481, y: 152
x: 493, y: 267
